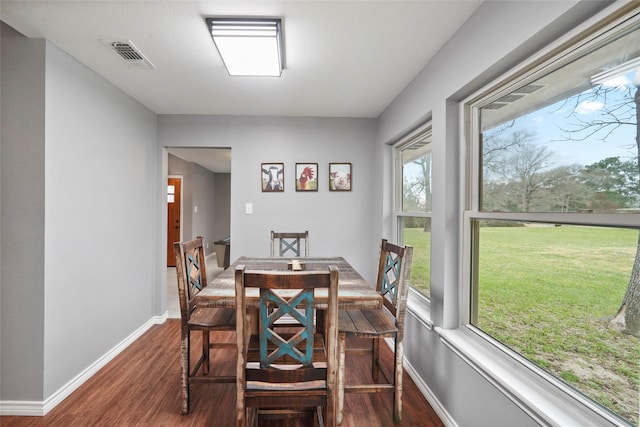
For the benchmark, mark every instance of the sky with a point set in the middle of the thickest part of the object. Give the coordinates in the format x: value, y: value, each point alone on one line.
x: 548, y: 122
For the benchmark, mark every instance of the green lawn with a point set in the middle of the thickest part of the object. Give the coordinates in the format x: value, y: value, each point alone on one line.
x: 421, y: 269
x: 548, y: 293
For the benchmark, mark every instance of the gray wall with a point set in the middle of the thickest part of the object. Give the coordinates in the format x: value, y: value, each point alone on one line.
x: 339, y: 223
x: 222, y: 208
x: 100, y: 196
x: 22, y: 230
x: 79, y: 228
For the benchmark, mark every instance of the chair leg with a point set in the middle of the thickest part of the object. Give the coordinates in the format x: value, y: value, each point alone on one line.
x: 398, y: 369
x: 375, y: 359
x: 205, y: 352
x: 319, y: 417
x: 184, y: 364
x: 342, y: 338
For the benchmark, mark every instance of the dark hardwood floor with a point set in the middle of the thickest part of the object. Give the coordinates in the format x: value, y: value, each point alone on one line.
x: 141, y: 387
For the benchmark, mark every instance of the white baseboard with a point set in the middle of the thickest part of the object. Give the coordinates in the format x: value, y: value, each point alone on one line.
x: 38, y: 409
x: 425, y: 390
x: 431, y: 398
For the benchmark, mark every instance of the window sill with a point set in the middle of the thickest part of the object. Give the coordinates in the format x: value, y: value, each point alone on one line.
x: 420, y: 307
x: 545, y: 399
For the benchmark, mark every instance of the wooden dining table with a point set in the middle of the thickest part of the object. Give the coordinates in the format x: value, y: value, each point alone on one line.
x: 354, y: 292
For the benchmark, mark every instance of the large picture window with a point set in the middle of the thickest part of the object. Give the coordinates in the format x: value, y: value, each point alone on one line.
x: 413, y: 205
x: 554, y: 217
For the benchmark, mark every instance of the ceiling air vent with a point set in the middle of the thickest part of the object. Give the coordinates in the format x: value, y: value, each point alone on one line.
x: 131, y: 55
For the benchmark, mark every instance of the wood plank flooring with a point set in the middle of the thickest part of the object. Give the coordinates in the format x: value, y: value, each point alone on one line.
x: 141, y: 387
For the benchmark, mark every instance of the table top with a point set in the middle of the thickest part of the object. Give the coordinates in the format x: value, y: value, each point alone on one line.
x: 354, y: 292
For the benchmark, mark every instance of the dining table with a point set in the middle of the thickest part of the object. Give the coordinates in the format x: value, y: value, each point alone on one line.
x: 354, y: 292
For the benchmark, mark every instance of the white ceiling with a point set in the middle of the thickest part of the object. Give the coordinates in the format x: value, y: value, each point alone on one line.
x: 215, y: 159
x: 343, y: 58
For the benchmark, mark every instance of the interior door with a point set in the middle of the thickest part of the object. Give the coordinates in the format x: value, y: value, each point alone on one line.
x: 174, y: 185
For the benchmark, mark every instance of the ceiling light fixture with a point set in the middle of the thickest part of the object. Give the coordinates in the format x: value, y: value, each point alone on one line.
x: 249, y: 47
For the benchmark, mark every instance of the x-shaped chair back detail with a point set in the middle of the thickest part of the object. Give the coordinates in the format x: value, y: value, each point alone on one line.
x: 290, y: 244
x: 190, y: 266
x: 391, y: 277
x: 390, y: 273
x: 194, y: 272
x: 300, y: 346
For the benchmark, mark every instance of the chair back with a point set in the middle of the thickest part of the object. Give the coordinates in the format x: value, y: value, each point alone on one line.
x: 191, y: 272
x: 289, y: 244
x: 394, y: 274
x: 287, y: 293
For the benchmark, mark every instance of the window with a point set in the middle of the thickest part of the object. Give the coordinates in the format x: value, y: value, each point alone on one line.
x: 553, y: 214
x: 413, y: 205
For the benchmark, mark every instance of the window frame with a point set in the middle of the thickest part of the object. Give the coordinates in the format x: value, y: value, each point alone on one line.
x: 418, y: 302
x: 544, y: 397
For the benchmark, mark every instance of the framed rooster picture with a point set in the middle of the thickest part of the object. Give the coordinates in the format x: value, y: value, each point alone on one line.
x: 306, y: 177
x: 340, y: 176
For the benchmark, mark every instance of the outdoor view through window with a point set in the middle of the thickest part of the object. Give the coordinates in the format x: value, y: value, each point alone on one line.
x: 414, y: 215
x: 556, y: 263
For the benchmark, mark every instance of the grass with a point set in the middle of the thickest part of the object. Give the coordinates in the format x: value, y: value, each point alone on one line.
x: 421, y: 269
x: 548, y: 293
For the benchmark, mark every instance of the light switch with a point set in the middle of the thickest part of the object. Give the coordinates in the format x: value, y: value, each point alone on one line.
x: 248, y: 208
x: 195, y: 209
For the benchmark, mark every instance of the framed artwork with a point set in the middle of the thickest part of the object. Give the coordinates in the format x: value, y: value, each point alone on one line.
x: 306, y: 177
x: 340, y: 176
x: 272, y: 177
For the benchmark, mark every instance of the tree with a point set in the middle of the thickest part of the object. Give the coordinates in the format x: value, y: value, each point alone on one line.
x: 417, y: 192
x: 411, y: 197
x: 623, y: 111
x: 421, y: 184
x: 518, y: 161
x: 565, y: 190
x: 614, y: 183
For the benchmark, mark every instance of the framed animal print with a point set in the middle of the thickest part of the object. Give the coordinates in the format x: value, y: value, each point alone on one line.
x: 272, y: 177
x: 306, y: 177
x: 340, y: 176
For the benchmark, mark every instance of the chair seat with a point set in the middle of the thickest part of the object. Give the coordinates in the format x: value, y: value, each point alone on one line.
x: 286, y: 387
x: 367, y: 323
x: 207, y: 317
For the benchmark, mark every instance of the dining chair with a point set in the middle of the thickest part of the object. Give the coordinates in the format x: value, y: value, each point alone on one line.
x: 191, y: 272
x: 289, y: 244
x: 394, y: 273
x: 291, y: 373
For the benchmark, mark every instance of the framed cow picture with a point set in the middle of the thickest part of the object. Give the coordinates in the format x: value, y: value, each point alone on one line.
x: 340, y: 176
x: 272, y: 177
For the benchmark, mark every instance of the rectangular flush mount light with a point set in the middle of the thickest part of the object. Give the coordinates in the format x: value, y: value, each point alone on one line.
x: 248, y: 47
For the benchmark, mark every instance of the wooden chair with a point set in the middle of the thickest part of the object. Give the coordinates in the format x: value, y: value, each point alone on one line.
x: 394, y: 272
x: 285, y: 375
x: 289, y: 244
x: 192, y: 278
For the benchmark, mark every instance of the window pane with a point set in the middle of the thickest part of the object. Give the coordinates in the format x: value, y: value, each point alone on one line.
x: 416, y: 176
x: 566, y: 142
x: 416, y: 232
x: 549, y: 293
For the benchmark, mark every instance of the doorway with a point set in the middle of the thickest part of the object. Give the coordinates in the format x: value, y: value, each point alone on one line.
x: 174, y: 216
